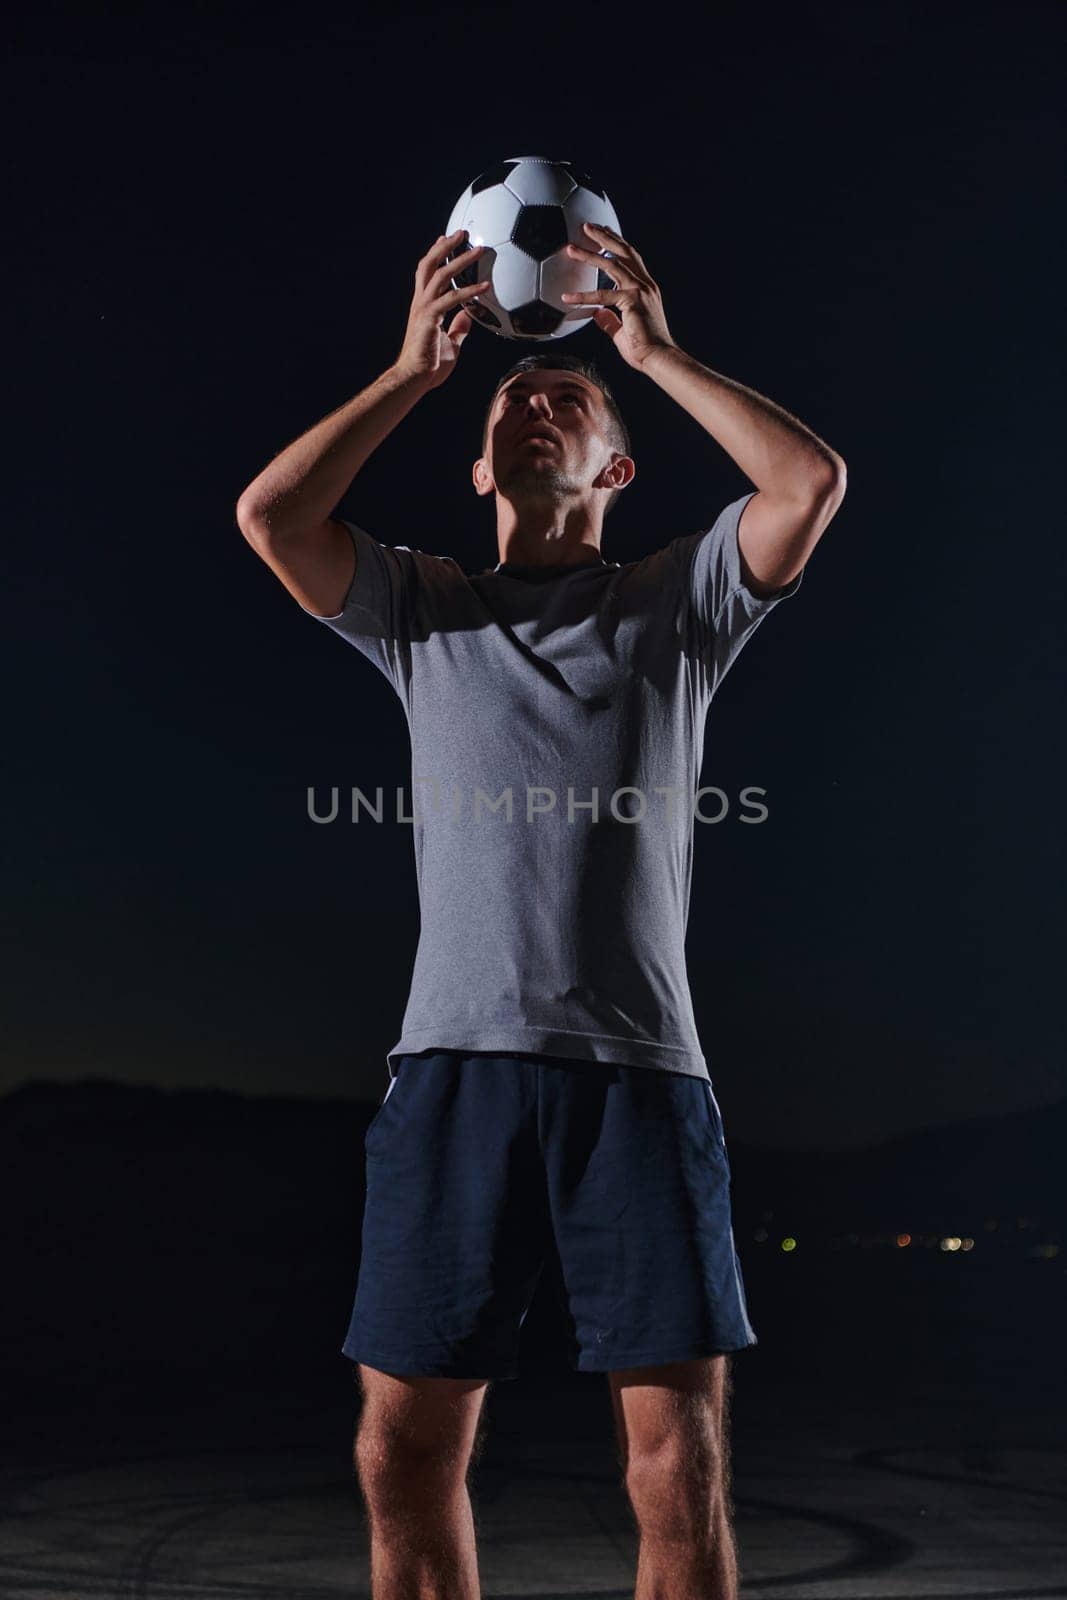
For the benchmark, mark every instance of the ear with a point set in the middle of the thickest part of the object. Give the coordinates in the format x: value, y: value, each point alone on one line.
x: 483, y: 478
x: 620, y: 471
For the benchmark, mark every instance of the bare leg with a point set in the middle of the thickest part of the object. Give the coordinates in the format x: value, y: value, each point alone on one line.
x: 672, y: 1424
x: 415, y: 1443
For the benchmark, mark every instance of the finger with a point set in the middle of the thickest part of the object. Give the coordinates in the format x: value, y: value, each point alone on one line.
x: 439, y: 251
x: 442, y: 242
x: 453, y: 298
x: 610, y: 321
x: 599, y: 297
x: 598, y: 230
x: 448, y: 260
x: 613, y: 266
x: 454, y: 263
x: 452, y: 268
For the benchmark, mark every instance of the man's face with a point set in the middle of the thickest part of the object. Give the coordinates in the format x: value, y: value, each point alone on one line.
x: 571, y: 411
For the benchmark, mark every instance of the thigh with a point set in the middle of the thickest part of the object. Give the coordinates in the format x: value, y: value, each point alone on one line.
x: 416, y: 1418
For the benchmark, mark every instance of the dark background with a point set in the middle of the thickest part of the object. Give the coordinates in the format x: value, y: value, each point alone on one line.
x: 214, y: 217
x: 851, y: 209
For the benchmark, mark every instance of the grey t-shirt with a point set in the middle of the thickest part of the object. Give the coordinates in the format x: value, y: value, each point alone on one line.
x: 532, y: 696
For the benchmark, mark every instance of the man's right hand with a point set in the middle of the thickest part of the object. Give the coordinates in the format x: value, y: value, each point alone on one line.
x: 430, y: 350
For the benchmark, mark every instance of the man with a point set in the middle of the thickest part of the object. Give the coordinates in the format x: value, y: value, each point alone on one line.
x: 548, y: 1097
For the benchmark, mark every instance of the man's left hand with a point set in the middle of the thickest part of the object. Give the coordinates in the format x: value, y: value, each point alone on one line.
x: 640, y: 326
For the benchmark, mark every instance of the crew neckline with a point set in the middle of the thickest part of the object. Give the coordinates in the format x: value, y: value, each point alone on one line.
x: 549, y: 569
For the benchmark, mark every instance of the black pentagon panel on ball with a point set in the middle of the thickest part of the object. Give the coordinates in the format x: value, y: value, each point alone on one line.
x: 539, y: 231
x: 492, y: 175
x: 583, y: 180
x: 534, y: 320
x: 602, y: 280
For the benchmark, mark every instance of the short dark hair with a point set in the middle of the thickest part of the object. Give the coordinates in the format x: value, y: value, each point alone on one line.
x: 618, y: 434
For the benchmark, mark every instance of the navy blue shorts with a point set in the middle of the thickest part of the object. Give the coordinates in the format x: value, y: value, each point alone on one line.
x: 480, y: 1166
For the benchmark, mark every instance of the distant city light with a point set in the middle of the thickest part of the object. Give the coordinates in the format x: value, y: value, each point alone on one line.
x: 1010, y: 1231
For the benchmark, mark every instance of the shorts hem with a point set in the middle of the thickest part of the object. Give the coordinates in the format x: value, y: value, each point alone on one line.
x: 428, y: 1367
x: 610, y: 1361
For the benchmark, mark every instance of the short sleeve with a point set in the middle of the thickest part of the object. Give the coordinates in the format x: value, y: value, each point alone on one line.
x: 377, y: 610
x: 725, y: 612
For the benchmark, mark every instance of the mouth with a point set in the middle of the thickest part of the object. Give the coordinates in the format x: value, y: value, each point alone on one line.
x: 539, y: 433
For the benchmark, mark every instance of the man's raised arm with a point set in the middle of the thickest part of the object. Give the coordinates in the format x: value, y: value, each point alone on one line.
x: 285, y: 513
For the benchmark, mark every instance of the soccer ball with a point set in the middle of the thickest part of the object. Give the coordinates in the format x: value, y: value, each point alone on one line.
x: 526, y: 210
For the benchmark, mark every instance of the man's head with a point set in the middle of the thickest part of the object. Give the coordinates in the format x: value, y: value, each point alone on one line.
x: 569, y: 398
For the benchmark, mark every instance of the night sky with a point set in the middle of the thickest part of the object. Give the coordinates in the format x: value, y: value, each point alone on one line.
x: 214, y: 222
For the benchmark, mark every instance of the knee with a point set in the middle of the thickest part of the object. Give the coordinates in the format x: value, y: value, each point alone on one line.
x: 396, y: 1472
x: 676, y: 1492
